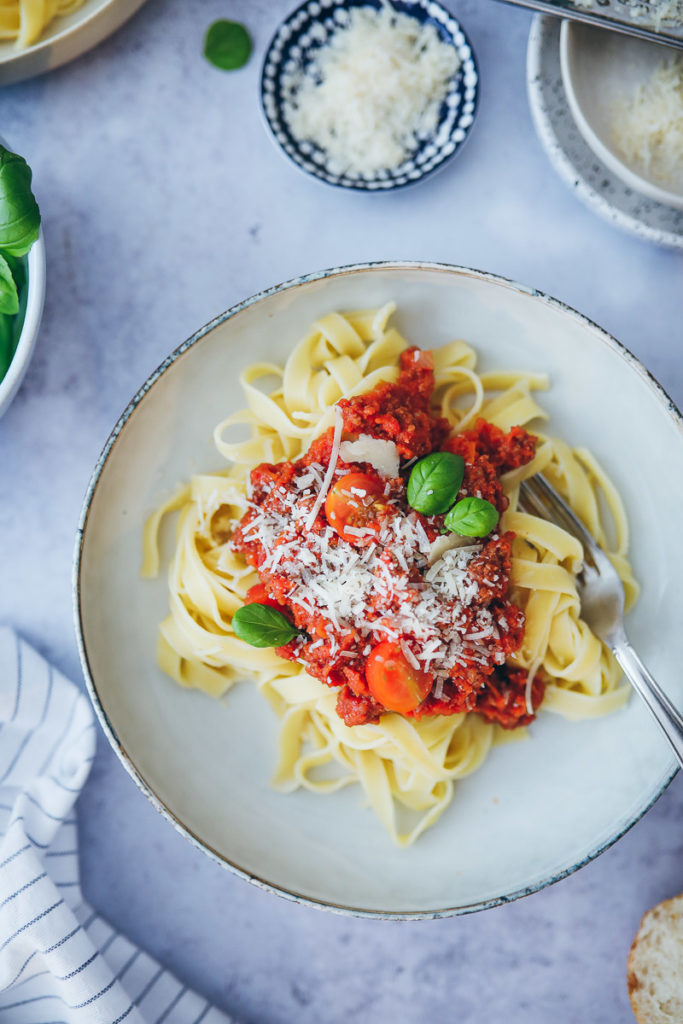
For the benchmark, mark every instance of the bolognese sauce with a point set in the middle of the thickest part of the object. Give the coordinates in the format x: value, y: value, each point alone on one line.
x: 393, y: 611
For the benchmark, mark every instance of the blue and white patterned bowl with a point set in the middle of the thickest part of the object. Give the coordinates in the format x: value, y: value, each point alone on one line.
x: 311, y: 26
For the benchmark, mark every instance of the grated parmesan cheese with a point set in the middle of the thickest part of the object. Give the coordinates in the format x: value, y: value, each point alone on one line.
x: 530, y: 676
x: 428, y: 606
x: 372, y: 92
x: 649, y: 126
x: 442, y: 544
x: 334, y: 455
x: 380, y: 454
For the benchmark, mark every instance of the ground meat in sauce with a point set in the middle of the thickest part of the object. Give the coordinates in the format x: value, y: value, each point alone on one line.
x: 488, y: 452
x: 504, y: 698
x: 491, y: 569
x: 400, y: 412
x: 357, y: 710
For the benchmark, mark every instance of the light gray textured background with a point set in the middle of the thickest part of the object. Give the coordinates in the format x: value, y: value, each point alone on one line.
x: 164, y: 202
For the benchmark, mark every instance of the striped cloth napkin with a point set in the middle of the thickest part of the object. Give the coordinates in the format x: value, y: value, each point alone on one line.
x: 60, y: 963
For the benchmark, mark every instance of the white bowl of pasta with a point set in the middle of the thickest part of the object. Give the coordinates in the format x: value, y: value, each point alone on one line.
x: 382, y: 814
x: 38, y: 37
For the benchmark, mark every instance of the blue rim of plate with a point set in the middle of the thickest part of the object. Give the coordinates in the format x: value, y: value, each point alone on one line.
x: 127, y: 760
x: 294, y: 41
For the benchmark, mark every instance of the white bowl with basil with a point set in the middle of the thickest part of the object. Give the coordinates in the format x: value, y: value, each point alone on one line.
x: 22, y: 273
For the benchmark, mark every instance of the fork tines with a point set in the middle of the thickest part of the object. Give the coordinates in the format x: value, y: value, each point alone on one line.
x: 538, y: 496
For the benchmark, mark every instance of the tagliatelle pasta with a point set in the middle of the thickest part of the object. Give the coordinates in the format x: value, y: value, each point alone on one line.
x: 406, y: 766
x: 26, y: 20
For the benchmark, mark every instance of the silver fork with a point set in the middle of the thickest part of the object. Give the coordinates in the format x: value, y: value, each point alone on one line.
x: 602, y: 605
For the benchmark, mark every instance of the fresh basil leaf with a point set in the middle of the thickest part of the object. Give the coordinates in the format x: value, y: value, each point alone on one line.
x: 9, y: 295
x: 227, y: 45
x: 262, y: 626
x: 472, y: 517
x: 434, y: 482
x: 19, y: 213
x: 18, y: 267
x: 6, y: 343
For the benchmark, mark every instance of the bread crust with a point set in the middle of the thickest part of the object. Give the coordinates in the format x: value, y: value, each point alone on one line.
x: 654, y: 970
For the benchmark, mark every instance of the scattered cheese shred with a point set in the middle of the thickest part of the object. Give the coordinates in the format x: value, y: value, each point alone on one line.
x: 380, y: 454
x: 649, y: 126
x: 528, y: 689
x: 433, y: 610
x: 334, y: 455
x: 372, y: 92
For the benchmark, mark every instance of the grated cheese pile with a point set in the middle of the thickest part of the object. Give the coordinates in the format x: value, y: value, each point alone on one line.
x: 338, y: 581
x: 649, y: 127
x: 372, y: 92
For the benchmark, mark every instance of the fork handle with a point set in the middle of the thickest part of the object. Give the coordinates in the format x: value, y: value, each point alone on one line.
x: 670, y: 720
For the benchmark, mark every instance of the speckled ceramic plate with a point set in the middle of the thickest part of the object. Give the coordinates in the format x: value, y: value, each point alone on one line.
x: 535, y: 810
x: 311, y: 26
x: 65, y: 38
x: 593, y: 183
x: 602, y: 71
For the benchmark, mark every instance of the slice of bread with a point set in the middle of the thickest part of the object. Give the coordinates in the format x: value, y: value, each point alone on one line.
x: 655, y: 965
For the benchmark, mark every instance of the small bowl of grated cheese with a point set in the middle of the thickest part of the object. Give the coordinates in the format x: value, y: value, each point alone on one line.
x: 370, y: 94
x: 626, y: 96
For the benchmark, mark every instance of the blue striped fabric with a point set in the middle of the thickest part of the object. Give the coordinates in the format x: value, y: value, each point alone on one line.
x: 60, y: 963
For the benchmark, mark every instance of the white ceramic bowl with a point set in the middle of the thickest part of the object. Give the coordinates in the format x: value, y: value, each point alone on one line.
x: 65, y: 38
x: 536, y: 810
x: 35, y: 298
x: 574, y: 161
x: 599, y: 70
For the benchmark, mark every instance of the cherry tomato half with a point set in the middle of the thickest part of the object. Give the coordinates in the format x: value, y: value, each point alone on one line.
x: 355, y: 500
x: 393, y: 681
x: 259, y: 595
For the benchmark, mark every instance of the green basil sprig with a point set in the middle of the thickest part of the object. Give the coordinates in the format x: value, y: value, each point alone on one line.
x: 262, y: 626
x: 472, y: 517
x: 434, y: 482
x: 7, y: 343
x: 9, y: 295
x: 19, y: 228
x: 227, y: 45
x: 19, y: 213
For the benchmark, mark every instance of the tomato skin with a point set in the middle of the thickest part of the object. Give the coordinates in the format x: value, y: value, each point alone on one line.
x: 258, y: 595
x: 344, y: 508
x: 393, y: 681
